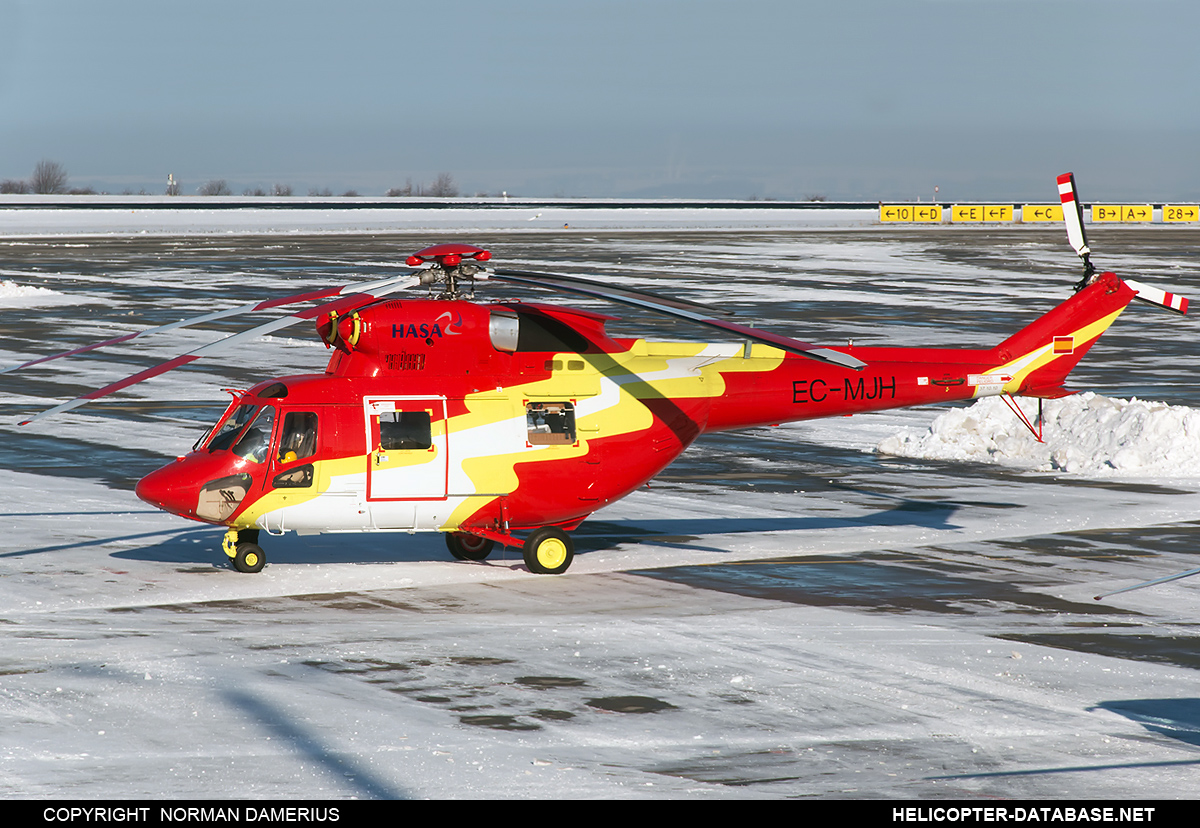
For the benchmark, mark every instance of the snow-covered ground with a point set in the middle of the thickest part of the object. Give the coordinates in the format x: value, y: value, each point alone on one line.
x: 786, y: 612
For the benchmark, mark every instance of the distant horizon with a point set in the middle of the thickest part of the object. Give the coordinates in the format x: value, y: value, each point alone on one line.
x: 866, y: 100
x: 491, y: 198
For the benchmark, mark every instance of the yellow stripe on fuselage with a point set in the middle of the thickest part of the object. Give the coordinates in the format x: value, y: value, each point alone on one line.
x: 1024, y: 365
x: 489, y: 440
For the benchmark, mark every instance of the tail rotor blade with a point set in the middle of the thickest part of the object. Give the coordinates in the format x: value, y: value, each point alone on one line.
x: 1156, y: 296
x: 1073, y: 215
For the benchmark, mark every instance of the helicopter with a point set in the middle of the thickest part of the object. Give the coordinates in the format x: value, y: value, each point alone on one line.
x: 512, y: 422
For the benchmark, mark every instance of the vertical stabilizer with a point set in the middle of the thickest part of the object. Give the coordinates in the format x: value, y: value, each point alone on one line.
x: 1039, y: 356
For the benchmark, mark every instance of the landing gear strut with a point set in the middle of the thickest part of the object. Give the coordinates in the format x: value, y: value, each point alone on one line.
x: 547, y: 551
x: 243, y: 550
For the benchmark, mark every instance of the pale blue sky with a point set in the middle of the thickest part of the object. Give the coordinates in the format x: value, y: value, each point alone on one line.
x: 859, y: 99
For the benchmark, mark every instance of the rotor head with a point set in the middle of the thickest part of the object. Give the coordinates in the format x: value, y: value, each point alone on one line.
x: 449, y: 265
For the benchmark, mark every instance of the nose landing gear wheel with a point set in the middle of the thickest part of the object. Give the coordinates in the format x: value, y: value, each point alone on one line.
x: 249, y: 557
x: 466, y: 547
x: 548, y: 551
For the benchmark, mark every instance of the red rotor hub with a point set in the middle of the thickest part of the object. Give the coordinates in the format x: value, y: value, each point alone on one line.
x: 448, y: 255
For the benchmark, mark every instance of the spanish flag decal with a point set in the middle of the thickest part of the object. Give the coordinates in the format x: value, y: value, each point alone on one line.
x: 1064, y: 344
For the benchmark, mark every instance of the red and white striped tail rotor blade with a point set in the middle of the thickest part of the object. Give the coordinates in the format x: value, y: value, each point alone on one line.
x: 249, y: 307
x: 365, y: 294
x: 1073, y: 214
x: 1151, y: 294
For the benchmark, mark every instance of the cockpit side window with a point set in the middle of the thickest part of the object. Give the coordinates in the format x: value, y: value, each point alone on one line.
x: 256, y: 439
x: 299, y: 437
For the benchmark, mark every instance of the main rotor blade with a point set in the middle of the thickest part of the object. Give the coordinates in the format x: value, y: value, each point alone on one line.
x: 559, y: 280
x: 365, y: 294
x: 1145, y: 584
x: 249, y: 307
x: 669, y: 307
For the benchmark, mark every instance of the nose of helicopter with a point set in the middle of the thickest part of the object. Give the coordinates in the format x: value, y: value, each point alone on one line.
x: 164, y: 488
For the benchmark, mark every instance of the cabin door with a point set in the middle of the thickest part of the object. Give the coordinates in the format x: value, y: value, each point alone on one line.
x: 409, y: 457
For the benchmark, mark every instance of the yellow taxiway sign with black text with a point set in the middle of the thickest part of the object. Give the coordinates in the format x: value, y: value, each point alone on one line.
x: 981, y: 212
x: 1041, y: 212
x: 1181, y: 212
x: 928, y: 213
x: 1122, y: 212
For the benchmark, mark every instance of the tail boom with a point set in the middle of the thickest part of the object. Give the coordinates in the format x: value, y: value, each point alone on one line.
x: 1035, y: 361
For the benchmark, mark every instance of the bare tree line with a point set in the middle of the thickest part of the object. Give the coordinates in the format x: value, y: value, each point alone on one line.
x: 50, y: 178
x: 442, y: 187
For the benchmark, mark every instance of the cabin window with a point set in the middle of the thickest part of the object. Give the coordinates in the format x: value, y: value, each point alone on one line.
x: 405, y: 430
x: 550, y: 423
x: 256, y: 438
x: 299, y: 437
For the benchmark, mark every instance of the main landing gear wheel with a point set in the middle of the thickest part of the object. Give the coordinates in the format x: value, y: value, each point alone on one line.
x: 466, y: 547
x: 249, y: 557
x: 548, y: 551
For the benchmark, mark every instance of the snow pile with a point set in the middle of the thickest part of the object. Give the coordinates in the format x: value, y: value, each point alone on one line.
x: 1086, y: 434
x: 13, y: 295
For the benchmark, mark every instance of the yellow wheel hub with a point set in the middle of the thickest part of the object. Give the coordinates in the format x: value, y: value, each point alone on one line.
x: 551, y: 553
x: 251, y: 559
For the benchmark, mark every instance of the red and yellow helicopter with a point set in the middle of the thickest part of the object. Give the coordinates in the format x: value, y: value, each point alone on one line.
x: 513, y: 422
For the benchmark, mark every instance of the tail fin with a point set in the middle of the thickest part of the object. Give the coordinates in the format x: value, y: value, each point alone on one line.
x: 1040, y: 355
x: 1035, y: 361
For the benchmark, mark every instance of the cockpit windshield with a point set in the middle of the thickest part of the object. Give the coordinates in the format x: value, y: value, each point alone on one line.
x: 257, y: 437
x: 246, y: 444
x: 232, y: 427
x: 247, y: 431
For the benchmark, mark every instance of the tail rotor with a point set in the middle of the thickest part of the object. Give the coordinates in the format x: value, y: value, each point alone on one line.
x: 1068, y: 193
